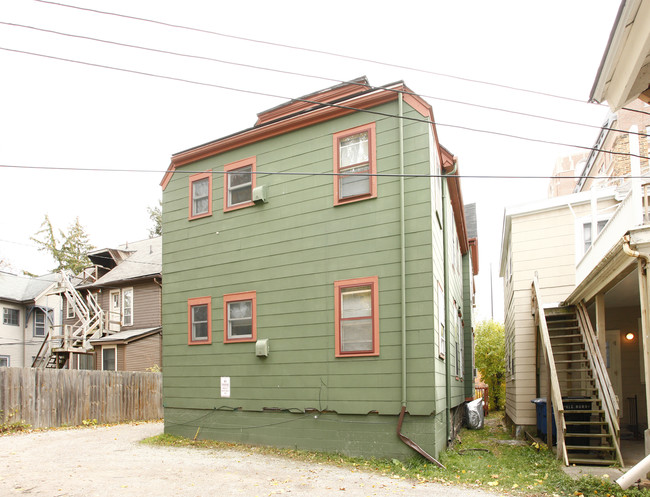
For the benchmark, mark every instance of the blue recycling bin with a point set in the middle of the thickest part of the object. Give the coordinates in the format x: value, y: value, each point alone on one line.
x: 540, y: 406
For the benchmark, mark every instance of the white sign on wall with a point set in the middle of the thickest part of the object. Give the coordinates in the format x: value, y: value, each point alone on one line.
x: 225, y: 387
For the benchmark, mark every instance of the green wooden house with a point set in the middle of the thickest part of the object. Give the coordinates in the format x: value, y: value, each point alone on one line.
x: 319, y: 279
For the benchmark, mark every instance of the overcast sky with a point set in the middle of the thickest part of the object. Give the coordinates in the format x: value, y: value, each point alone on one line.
x: 62, y: 114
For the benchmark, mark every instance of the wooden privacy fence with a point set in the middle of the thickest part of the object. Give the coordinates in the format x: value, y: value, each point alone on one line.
x: 59, y: 397
x: 483, y: 393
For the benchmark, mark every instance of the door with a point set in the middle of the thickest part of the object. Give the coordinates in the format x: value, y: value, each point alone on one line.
x: 114, y: 311
x: 613, y: 363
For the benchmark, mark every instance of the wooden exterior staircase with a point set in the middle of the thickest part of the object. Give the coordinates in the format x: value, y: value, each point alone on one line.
x: 90, y: 323
x: 583, y: 401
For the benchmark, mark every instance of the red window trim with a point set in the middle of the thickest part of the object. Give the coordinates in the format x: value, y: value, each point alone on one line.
x: 373, y: 282
x: 197, y: 177
x: 236, y: 297
x: 372, y: 161
x: 251, y: 161
x: 193, y: 303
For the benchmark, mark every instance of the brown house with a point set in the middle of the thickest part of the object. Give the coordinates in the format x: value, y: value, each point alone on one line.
x: 112, y: 312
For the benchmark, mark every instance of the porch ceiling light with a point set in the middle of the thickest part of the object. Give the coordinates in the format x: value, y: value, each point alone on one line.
x: 629, y: 336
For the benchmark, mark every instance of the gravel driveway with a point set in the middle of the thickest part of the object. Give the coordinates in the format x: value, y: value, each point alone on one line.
x: 108, y: 461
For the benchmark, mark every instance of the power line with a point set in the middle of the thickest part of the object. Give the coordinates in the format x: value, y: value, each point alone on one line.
x: 311, y: 50
x: 321, y: 104
x: 331, y: 174
x: 323, y: 78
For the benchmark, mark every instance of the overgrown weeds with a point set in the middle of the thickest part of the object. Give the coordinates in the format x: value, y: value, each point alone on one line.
x: 485, y: 458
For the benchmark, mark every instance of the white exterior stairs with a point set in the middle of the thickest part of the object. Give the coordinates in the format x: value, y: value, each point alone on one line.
x: 90, y: 324
x: 592, y: 432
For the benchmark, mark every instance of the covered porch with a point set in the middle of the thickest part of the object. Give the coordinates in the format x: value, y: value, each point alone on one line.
x: 615, y: 292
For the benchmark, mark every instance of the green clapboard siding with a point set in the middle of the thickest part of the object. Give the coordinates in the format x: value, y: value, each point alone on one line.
x: 290, y: 251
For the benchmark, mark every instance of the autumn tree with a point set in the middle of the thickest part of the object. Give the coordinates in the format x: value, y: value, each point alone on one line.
x: 489, y: 354
x: 68, y: 249
x: 155, y: 214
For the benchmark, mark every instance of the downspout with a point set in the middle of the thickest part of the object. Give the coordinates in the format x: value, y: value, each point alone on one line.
x: 643, y: 259
x: 402, y: 227
x: 402, y: 222
x: 445, y: 264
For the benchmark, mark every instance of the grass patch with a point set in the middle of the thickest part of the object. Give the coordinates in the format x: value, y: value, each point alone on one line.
x: 506, y: 468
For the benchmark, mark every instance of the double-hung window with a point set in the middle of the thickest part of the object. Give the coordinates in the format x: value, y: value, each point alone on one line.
x: 201, y: 195
x: 109, y: 359
x: 39, y: 323
x: 127, y: 307
x: 199, y: 320
x: 240, y: 317
x: 239, y: 181
x: 355, y: 164
x: 356, y: 313
x: 69, y: 309
x: 11, y: 316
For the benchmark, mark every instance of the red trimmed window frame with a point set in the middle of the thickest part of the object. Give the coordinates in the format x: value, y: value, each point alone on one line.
x: 194, y: 302
x: 373, y: 283
x: 251, y: 161
x: 372, y: 162
x: 194, y: 178
x: 239, y: 297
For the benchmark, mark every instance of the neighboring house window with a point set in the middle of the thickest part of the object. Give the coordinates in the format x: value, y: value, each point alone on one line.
x: 355, y: 164
x: 587, y: 235
x: 11, y: 316
x: 199, y: 321
x: 127, y: 307
x: 356, y: 314
x: 201, y: 195
x: 69, y: 309
x: 109, y: 359
x: 86, y: 361
x: 240, y: 317
x: 239, y: 181
x: 4, y: 361
x: 39, y: 323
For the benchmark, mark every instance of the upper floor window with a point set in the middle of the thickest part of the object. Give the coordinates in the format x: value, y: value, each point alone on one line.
x: 11, y: 316
x: 127, y: 307
x: 69, y: 309
x: 239, y: 181
x: 587, y: 236
x: 355, y: 164
x: 200, y: 195
x: 39, y: 323
x: 199, y: 320
x: 240, y: 317
x: 356, y: 312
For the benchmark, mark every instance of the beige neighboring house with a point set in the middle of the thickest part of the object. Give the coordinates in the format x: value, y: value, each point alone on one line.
x: 112, y: 312
x: 29, y: 313
x: 576, y: 278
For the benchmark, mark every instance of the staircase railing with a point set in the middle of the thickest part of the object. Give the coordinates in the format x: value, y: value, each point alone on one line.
x: 603, y: 383
x: 555, y: 393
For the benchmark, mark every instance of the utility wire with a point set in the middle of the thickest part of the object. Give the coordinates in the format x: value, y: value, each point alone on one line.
x: 331, y: 174
x: 313, y: 76
x: 312, y: 50
x: 320, y: 104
